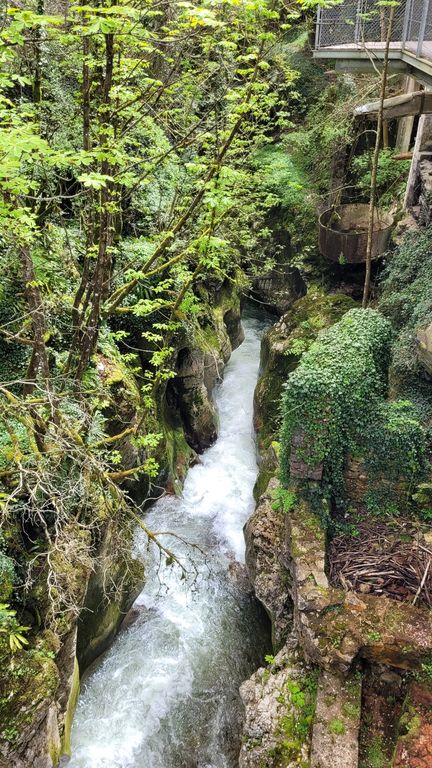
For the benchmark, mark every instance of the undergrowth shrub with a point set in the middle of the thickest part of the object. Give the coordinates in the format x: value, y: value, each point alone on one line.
x: 289, y: 190
x: 336, y: 402
x: 406, y: 295
x: 391, y: 176
x: 7, y: 575
x: 406, y: 299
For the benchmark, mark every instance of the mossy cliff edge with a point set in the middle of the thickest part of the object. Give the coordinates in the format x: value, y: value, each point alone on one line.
x: 44, y: 679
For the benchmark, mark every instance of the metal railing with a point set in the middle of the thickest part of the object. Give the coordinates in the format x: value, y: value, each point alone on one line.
x: 359, y: 22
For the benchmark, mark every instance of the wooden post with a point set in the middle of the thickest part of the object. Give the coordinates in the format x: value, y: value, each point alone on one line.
x: 385, y: 134
x: 422, y: 142
x: 405, y: 127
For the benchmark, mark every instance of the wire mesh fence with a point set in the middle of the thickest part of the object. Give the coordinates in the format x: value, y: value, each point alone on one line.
x: 361, y: 22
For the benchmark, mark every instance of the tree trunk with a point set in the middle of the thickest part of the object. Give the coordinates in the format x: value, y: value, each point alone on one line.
x: 372, y: 201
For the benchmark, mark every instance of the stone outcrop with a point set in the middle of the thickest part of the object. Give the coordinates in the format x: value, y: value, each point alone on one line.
x: 337, y: 630
x: 275, y: 705
x: 266, y: 560
x: 113, y: 586
x: 281, y: 348
x: 199, y: 365
x: 335, y: 627
x: 336, y: 722
x: 424, y: 348
x: 193, y: 399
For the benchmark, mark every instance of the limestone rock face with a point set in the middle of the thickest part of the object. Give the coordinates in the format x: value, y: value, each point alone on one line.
x: 336, y: 723
x: 270, y: 711
x: 110, y: 595
x: 197, y: 411
x: 266, y: 558
x: 424, y: 341
x: 201, y: 360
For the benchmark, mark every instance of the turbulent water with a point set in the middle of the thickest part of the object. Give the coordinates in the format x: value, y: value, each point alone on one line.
x: 166, y: 694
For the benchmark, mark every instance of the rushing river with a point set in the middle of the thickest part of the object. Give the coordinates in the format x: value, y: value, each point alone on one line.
x: 166, y: 693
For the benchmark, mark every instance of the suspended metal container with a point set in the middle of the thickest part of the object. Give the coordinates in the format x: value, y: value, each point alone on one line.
x: 343, y: 233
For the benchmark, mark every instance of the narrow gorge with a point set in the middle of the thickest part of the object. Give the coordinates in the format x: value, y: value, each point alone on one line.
x: 216, y: 384
x: 166, y: 694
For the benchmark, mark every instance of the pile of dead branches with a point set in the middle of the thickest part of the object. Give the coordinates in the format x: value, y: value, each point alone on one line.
x: 383, y: 559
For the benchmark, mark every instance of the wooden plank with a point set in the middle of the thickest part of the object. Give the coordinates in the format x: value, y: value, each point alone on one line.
x: 417, y: 103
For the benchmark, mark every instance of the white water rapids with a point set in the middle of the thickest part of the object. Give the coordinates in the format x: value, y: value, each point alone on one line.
x: 166, y: 693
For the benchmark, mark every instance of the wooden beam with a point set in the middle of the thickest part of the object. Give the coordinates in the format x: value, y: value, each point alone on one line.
x: 406, y: 124
x: 417, y: 103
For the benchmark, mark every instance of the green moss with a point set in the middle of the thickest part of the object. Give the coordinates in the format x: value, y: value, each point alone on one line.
x: 282, y: 351
x: 293, y: 730
x: 27, y: 679
x: 336, y: 727
x: 262, y: 481
x: 54, y: 751
x: 70, y: 710
x: 178, y: 455
x: 409, y: 724
x: 335, y: 403
x: 375, y: 755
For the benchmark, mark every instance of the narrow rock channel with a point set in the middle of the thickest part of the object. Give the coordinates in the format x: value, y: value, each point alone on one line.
x: 166, y: 694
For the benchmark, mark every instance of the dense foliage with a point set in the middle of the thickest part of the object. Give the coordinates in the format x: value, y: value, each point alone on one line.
x: 130, y: 179
x: 406, y: 297
x: 335, y: 401
x: 391, y: 177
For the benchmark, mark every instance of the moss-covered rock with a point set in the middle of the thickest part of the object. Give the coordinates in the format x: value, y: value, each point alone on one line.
x: 281, y: 349
x: 266, y: 559
x: 28, y: 715
x: 113, y: 586
x: 280, y: 704
x: 203, y: 348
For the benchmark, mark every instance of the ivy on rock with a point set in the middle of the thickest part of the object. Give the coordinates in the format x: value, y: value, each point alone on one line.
x: 335, y: 404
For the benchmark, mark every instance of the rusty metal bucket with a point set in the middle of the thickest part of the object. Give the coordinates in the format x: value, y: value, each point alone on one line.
x: 343, y: 233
